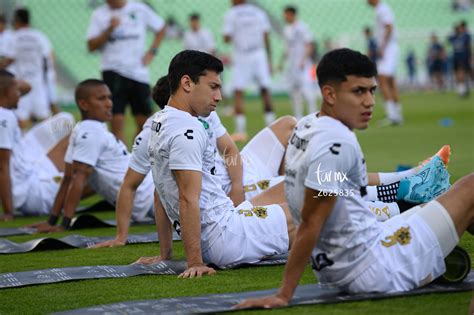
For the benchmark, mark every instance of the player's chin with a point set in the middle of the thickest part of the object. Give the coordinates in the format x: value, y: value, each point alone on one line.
x: 362, y: 125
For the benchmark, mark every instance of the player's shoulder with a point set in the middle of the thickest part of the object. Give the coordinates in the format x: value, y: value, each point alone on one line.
x: 176, y: 120
x: 90, y: 129
x: 7, y: 114
x: 326, y: 131
x: 132, y: 5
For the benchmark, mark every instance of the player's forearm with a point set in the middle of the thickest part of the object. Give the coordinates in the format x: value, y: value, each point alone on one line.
x: 123, y: 211
x: 191, y: 230
x: 73, y: 196
x: 303, y: 245
x: 6, y: 190
x: 268, y: 48
x: 164, y: 230
x: 386, y: 37
x: 233, y: 163
x: 157, y: 39
x: 373, y: 179
x: 97, y: 42
x: 59, y: 200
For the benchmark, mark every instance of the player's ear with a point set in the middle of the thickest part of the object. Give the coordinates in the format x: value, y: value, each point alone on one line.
x: 186, y: 83
x: 329, y: 94
x: 83, y: 105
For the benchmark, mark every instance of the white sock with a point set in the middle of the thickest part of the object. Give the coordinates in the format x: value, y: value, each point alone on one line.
x: 240, y: 123
x: 459, y: 88
x: 390, y: 111
x: 297, y: 102
x: 269, y: 118
x: 398, y: 112
x: 372, y: 193
x: 383, y: 211
x: 390, y: 178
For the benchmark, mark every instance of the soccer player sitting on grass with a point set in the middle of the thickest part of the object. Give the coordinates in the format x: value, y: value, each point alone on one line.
x: 184, y: 171
x: 30, y: 166
x: 241, y: 178
x: 95, y: 159
x: 349, y: 248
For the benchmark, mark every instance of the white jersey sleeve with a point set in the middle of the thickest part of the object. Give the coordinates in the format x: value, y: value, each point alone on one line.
x: 329, y: 165
x: 139, y: 160
x: 8, y: 125
x: 217, y: 126
x: 96, y: 25
x: 385, y: 15
x: 88, y: 147
x: 153, y: 20
x: 187, y: 149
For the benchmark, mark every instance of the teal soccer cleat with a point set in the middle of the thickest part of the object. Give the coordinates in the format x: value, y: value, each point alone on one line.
x: 431, y: 181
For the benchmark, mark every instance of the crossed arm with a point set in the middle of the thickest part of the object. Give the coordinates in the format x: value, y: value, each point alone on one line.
x: 233, y: 162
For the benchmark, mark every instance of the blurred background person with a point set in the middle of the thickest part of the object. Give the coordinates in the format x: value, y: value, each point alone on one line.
x: 118, y: 31
x: 435, y: 61
x: 30, y: 56
x: 197, y: 37
x: 247, y: 27
x: 297, y: 59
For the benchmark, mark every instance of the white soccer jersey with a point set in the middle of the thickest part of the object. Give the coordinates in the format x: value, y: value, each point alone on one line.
x: 384, y: 16
x: 22, y: 161
x: 92, y: 144
x: 202, y: 40
x: 297, y: 35
x: 246, y: 24
x: 30, y: 49
x: 140, y: 160
x: 180, y: 142
x: 125, y: 48
x: 324, y: 155
x: 6, y: 41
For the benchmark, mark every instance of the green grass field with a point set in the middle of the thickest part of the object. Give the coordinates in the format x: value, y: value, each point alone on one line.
x: 384, y: 149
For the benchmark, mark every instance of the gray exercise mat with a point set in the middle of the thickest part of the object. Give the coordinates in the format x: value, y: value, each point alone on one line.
x: 19, y: 279
x: 83, y: 221
x: 304, y: 295
x: 71, y: 241
x: 169, y: 267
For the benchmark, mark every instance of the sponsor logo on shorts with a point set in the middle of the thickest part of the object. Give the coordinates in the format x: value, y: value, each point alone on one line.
x: 259, y: 212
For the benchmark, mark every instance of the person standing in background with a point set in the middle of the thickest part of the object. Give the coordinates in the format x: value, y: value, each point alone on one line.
x: 118, y: 30
x: 247, y: 27
x: 198, y: 38
x: 387, y: 57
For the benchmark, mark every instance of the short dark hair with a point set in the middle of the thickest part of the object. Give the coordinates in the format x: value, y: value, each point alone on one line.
x: 291, y: 9
x: 192, y: 63
x: 22, y: 15
x: 82, y: 89
x: 337, y: 64
x: 194, y: 16
x: 161, y: 92
x: 6, y: 81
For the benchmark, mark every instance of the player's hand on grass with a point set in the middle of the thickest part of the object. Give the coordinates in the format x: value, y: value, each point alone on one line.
x: 197, y: 271
x: 38, y: 224
x: 149, y: 260
x: 6, y: 217
x: 111, y: 243
x: 265, y: 302
x: 47, y: 228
